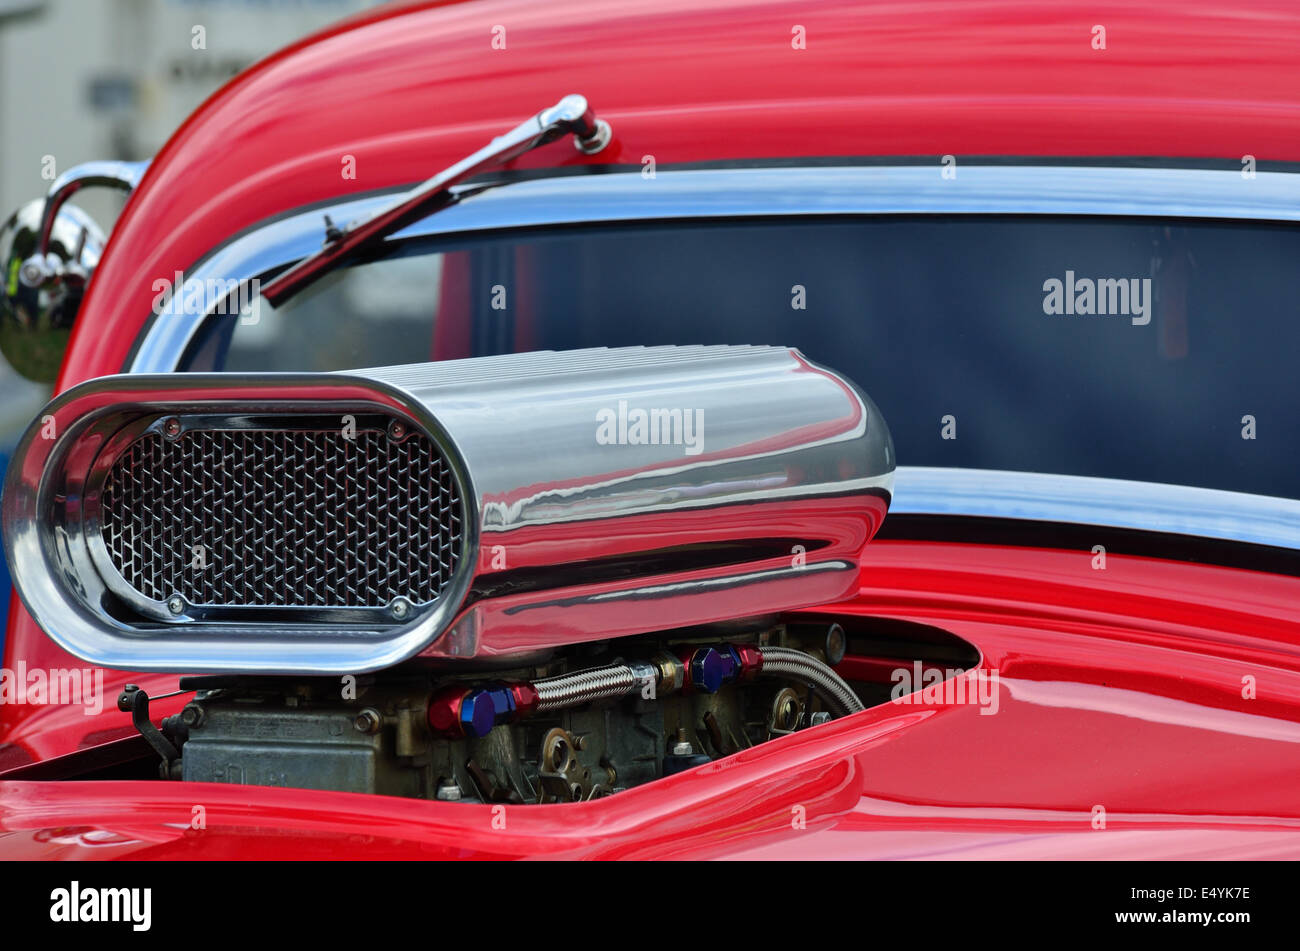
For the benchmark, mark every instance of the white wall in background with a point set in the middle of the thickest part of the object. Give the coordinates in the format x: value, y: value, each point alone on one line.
x: 95, y: 79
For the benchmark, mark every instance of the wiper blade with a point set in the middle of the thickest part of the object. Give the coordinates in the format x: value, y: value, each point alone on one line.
x: 570, y: 114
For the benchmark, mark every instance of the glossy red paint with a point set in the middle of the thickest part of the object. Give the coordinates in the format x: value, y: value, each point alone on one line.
x: 407, y: 91
x: 410, y: 89
x: 1120, y: 689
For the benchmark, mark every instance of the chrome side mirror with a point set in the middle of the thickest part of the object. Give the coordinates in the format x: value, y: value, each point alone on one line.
x: 48, y: 251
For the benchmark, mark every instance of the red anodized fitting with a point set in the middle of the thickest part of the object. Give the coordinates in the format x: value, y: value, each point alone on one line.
x: 750, y: 659
x: 525, y: 699
x: 444, y: 710
x: 457, y: 711
x: 708, y: 668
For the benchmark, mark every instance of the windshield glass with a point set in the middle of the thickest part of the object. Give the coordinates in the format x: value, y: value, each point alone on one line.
x: 1161, y: 351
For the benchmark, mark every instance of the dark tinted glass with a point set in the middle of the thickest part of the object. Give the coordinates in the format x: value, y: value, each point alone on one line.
x: 933, y: 317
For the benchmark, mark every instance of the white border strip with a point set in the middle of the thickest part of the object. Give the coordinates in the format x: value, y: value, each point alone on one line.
x: 1110, y: 503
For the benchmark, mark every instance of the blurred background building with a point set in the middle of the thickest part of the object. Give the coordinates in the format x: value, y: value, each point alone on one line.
x: 100, y: 79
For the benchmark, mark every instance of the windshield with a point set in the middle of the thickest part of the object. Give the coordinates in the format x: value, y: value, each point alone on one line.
x: 1160, y: 351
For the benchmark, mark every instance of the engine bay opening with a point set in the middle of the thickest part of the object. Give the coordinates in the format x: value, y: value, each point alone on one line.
x: 576, y: 724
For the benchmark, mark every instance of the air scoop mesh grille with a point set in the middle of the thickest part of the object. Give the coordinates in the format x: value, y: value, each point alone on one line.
x: 283, y: 518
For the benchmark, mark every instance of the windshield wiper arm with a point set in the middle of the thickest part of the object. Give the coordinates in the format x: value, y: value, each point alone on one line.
x: 570, y: 114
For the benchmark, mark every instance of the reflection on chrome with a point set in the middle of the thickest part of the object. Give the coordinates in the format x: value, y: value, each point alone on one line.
x: 556, y: 530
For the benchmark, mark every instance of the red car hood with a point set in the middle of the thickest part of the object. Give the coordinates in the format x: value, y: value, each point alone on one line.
x: 1116, y: 690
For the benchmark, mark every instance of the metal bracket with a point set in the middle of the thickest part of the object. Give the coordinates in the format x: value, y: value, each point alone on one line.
x: 135, y: 701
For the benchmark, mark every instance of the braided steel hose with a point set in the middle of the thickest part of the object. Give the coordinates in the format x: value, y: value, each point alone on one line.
x: 568, y: 690
x: 796, y: 665
x: 463, y: 711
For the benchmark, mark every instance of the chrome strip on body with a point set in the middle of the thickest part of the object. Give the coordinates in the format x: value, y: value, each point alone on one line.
x: 739, y: 193
x: 1110, y: 503
x: 753, y: 192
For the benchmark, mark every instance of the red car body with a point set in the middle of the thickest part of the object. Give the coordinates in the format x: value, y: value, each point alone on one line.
x: 1121, y: 690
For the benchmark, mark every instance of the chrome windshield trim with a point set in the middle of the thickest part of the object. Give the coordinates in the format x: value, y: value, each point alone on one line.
x: 870, y: 190
x: 1105, y: 503
x: 753, y: 192
x: 848, y: 190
